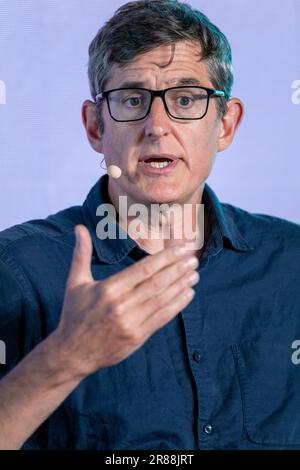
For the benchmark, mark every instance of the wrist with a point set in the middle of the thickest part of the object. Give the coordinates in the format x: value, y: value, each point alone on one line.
x: 61, y: 366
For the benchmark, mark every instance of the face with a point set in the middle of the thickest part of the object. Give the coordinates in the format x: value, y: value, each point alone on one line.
x: 193, y: 144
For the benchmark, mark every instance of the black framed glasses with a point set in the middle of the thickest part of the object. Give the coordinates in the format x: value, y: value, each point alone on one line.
x: 134, y: 104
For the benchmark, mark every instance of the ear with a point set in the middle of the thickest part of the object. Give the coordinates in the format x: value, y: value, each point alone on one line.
x: 91, y: 126
x: 230, y: 122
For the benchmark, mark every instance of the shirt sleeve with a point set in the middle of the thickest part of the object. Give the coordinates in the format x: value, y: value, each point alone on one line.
x: 12, y: 316
x: 20, y: 329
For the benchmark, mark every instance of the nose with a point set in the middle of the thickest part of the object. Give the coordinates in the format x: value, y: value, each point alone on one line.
x: 158, y: 121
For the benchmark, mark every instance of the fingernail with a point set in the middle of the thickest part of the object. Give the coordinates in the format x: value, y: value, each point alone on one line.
x: 192, y: 262
x: 194, y: 277
x: 190, y: 294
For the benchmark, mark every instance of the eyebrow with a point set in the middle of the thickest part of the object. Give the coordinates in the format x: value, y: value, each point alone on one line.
x: 180, y: 82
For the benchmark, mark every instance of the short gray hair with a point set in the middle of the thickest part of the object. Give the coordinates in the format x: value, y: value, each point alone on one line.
x: 139, y: 26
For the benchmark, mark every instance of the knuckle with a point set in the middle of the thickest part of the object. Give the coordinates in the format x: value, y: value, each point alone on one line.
x: 118, y: 309
x: 160, y: 302
x: 165, y: 315
x: 147, y: 269
x: 156, y: 282
x: 184, y: 282
x: 124, y: 328
x: 128, y: 332
x: 106, y: 290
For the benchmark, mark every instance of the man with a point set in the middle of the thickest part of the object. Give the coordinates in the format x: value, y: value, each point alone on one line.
x: 116, y: 349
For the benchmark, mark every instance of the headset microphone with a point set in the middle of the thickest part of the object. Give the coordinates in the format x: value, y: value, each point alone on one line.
x: 114, y: 171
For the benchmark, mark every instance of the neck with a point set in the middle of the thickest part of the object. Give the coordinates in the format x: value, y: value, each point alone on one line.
x: 157, y: 225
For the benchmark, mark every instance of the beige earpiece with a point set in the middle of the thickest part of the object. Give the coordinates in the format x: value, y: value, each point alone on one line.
x: 114, y: 171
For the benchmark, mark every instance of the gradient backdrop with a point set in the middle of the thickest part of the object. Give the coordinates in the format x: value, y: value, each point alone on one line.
x: 46, y: 162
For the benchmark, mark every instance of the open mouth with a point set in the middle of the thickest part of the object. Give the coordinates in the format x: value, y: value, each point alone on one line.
x: 158, y: 162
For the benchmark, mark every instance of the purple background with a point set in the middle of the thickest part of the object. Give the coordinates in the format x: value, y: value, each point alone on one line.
x: 46, y: 161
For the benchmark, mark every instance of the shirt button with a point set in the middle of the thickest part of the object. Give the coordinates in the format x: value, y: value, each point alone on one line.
x: 208, y: 429
x: 197, y: 356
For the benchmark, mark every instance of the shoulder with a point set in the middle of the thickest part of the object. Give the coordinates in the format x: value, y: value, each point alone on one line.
x: 259, y: 228
x: 56, y: 228
x: 39, y: 249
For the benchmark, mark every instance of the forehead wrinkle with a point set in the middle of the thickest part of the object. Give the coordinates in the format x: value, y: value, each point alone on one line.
x: 197, y: 53
x: 136, y: 72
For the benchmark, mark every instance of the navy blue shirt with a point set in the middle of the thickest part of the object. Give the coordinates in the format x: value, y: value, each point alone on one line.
x: 223, y: 374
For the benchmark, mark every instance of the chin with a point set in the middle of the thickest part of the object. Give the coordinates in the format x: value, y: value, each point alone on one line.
x: 163, y: 196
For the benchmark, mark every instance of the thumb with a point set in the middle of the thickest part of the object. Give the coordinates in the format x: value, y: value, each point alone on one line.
x: 80, y: 272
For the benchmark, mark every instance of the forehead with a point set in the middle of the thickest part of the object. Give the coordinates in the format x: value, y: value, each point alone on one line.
x: 168, y: 64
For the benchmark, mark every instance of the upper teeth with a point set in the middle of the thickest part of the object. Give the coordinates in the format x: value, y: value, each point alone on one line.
x: 159, y: 164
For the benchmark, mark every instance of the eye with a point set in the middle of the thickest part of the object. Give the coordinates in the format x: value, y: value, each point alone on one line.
x: 184, y: 100
x: 132, y: 101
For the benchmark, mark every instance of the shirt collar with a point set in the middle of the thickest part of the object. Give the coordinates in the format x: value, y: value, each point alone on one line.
x: 109, y: 250
x: 223, y: 229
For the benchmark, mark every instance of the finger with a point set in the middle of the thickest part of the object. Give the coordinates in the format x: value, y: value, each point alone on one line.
x: 165, y: 314
x: 80, y: 272
x: 165, y: 298
x: 159, y: 282
x: 171, y: 220
x: 132, y: 276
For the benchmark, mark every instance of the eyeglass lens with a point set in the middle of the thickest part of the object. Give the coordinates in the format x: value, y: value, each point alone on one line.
x: 132, y: 104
